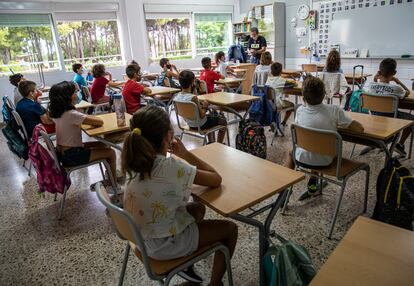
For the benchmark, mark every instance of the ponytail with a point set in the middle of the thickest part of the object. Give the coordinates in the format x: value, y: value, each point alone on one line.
x: 145, y: 140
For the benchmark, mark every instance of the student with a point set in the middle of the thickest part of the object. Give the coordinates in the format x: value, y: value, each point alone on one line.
x: 168, y: 74
x: 208, y: 75
x: 279, y: 84
x: 188, y: 84
x: 159, y: 188
x: 31, y: 112
x: 78, y: 78
x: 99, y: 84
x: 333, y: 62
x: 265, y: 62
x: 330, y: 78
x: 71, y: 150
x: 14, y: 80
x: 133, y: 89
x: 316, y: 114
x: 222, y: 67
x: 382, y: 85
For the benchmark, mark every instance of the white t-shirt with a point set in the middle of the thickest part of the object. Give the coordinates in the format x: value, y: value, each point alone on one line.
x: 158, y: 204
x: 321, y: 116
x: 278, y: 83
x: 262, y: 68
x: 187, y: 97
x: 68, y: 132
x: 17, y: 96
x: 385, y: 89
x: 222, y: 68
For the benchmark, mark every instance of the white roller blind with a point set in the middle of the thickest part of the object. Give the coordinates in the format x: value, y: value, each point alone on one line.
x: 24, y: 20
x: 207, y: 17
x: 154, y: 16
x: 180, y: 8
x: 83, y: 16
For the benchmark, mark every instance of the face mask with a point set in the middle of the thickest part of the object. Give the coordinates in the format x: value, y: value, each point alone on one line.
x: 168, y: 66
x: 79, y: 95
x: 82, y: 70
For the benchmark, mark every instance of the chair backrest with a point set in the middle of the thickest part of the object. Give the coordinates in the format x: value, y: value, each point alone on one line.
x: 203, y: 87
x: 20, y: 123
x: 51, y: 147
x: 10, y: 103
x: 125, y: 225
x: 187, y: 110
x: 332, y: 83
x: 260, y: 77
x: 328, y: 142
x: 87, y: 93
x: 380, y: 103
x: 309, y: 68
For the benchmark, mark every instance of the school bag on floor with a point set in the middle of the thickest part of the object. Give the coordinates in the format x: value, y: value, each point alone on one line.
x: 251, y: 138
x: 354, y: 102
x: 261, y: 110
x: 288, y: 264
x: 395, y: 196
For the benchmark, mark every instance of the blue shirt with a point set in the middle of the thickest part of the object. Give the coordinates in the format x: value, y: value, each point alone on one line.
x: 80, y: 81
x: 30, y: 112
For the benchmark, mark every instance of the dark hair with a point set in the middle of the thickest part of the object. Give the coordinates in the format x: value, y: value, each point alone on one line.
x: 206, y: 62
x: 75, y: 67
x: 15, y: 79
x: 26, y: 87
x: 133, y: 62
x: 333, y: 62
x: 163, y: 62
x: 218, y: 56
x: 60, y: 96
x: 254, y: 29
x: 140, y: 150
x: 313, y: 90
x: 266, y: 58
x: 132, y: 69
x: 276, y: 69
x: 388, y: 67
x: 98, y: 70
x: 186, y: 78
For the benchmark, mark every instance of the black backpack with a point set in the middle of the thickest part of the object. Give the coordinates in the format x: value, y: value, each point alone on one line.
x: 251, y: 138
x: 395, y: 196
x: 15, y: 141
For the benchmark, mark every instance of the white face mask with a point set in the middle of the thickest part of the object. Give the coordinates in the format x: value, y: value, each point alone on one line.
x: 82, y: 70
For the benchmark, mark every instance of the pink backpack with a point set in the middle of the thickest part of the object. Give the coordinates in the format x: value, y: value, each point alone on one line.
x: 51, y: 177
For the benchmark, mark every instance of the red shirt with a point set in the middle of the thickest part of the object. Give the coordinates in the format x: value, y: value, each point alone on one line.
x: 132, y: 95
x: 209, y: 77
x: 98, y: 88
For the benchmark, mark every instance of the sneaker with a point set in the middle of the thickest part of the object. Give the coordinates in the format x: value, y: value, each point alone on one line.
x: 273, y: 127
x: 284, y: 124
x: 399, y: 148
x: 312, y: 191
x: 190, y: 275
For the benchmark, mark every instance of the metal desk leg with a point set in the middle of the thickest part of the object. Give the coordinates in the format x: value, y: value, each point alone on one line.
x: 264, y: 229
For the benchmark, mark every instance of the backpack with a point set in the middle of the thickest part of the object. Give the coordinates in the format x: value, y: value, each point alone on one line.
x: 261, y: 110
x: 15, y: 140
x: 5, y: 111
x: 354, y: 103
x: 50, y: 177
x: 395, y: 196
x: 287, y: 265
x: 251, y: 138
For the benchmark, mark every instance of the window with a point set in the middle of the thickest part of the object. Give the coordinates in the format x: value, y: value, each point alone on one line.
x: 26, y: 43
x: 212, y: 33
x: 89, y: 42
x: 169, y: 37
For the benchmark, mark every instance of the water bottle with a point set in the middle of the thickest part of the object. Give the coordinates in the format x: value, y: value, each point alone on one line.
x: 119, y: 106
x: 237, y: 63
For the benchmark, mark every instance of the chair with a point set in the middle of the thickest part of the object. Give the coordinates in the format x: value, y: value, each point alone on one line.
x: 189, y: 110
x: 161, y: 271
x: 26, y: 138
x: 69, y: 170
x: 310, y: 68
x: 96, y: 106
x: 329, y: 143
x: 333, y: 83
x: 202, y: 87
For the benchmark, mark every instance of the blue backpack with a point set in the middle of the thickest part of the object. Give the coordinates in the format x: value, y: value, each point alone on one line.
x: 355, y: 102
x: 261, y: 110
x: 5, y: 110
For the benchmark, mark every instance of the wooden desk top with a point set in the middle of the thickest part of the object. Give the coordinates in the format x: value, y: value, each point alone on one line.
x: 241, y: 65
x: 291, y: 71
x: 378, y: 127
x: 163, y: 90
x: 357, y: 75
x: 110, y: 126
x: 83, y: 104
x: 297, y: 90
x: 409, y: 98
x: 241, y: 188
x: 230, y: 80
x: 372, y: 253
x: 237, y: 70
x: 227, y: 98
x: 45, y: 89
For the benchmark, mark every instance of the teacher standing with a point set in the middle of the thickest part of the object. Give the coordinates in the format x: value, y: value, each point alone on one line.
x: 256, y: 45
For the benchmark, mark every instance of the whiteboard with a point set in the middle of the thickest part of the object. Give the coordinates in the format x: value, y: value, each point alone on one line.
x: 384, y: 31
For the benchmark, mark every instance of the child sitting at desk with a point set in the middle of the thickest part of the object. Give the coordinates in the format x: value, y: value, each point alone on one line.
x: 208, y: 75
x: 333, y: 62
x: 71, y: 150
x: 222, y: 67
x: 382, y: 85
x: 158, y: 191
x: 31, y: 112
x: 279, y: 83
x: 168, y: 75
x: 79, y: 79
x: 188, y: 84
x: 133, y: 89
x: 14, y: 80
x: 265, y: 62
x: 102, y: 78
x: 334, y: 78
x: 316, y: 114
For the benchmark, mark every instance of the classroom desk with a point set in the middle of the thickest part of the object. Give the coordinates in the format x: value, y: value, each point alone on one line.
x: 407, y: 102
x: 230, y: 82
x: 162, y: 90
x: 359, y: 80
x: 291, y: 73
x: 378, y: 131
x: 166, y: 96
x: 109, y: 133
x: 227, y: 100
x: 83, y: 105
x: 296, y: 91
x: 245, y: 187
x: 238, y: 71
x: 248, y: 75
x: 371, y: 253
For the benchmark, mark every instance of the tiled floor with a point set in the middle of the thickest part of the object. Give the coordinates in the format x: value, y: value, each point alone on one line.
x: 82, y: 249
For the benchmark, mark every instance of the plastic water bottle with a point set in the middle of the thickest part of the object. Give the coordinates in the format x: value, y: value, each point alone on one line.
x: 237, y: 63
x: 119, y: 106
